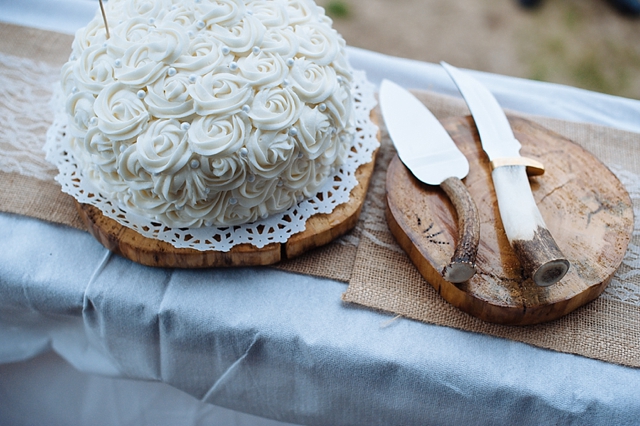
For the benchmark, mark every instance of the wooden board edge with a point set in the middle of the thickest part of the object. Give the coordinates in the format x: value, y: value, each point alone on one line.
x: 481, y: 309
x: 503, y: 314
x: 150, y: 252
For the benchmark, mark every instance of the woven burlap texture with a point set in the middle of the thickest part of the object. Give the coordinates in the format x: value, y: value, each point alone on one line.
x: 34, y: 194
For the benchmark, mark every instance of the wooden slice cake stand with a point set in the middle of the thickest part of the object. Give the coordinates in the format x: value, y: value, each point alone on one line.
x: 320, y: 229
x: 584, y: 205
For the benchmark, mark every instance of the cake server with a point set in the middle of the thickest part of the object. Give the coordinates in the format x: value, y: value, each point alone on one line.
x: 427, y: 150
x: 526, y: 231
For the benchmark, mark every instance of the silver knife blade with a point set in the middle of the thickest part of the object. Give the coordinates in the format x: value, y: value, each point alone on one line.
x: 494, y: 129
x: 539, y: 254
x: 425, y: 147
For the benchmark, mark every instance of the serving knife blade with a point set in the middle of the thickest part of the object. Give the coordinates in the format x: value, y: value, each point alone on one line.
x: 538, y: 252
x: 427, y: 150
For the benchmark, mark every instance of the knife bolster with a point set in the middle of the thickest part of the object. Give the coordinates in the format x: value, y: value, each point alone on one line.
x: 539, y: 255
x: 533, y: 167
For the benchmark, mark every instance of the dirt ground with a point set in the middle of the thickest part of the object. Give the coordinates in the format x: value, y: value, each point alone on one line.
x: 582, y: 43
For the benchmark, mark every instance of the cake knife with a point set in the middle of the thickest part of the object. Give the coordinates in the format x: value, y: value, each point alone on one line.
x: 427, y: 150
x: 539, y: 255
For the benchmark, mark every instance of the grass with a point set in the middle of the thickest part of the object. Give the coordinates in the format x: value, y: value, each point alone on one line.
x: 561, y: 46
x: 337, y: 9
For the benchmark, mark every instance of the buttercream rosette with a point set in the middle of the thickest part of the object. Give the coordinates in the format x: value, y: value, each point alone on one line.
x: 208, y: 112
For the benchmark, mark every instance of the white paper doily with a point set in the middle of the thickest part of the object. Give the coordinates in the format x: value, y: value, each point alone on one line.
x: 274, y: 229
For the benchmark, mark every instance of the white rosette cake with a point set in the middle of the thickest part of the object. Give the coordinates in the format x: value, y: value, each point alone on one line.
x: 200, y: 113
x: 209, y: 112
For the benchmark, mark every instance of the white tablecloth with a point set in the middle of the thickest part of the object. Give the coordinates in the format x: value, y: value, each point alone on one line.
x: 87, y: 337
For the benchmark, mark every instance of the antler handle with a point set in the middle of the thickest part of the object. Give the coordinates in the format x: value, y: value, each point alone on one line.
x: 540, y: 256
x: 463, y: 263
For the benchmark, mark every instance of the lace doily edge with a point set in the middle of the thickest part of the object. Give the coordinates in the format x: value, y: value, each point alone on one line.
x: 367, y: 137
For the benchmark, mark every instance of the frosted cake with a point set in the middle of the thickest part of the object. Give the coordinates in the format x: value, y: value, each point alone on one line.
x: 208, y: 113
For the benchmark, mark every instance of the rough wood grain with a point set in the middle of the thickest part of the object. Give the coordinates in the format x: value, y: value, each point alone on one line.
x: 583, y: 204
x: 146, y: 251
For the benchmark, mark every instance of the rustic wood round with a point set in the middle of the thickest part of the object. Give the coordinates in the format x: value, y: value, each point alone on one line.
x: 584, y: 205
x: 320, y: 230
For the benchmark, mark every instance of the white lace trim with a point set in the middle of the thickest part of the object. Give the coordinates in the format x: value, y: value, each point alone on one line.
x: 274, y: 229
x: 24, y: 122
x: 625, y: 285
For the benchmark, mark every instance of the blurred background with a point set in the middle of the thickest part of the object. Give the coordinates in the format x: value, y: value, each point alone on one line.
x: 581, y: 43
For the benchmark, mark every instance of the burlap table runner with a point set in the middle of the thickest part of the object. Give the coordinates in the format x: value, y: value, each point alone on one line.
x: 379, y: 274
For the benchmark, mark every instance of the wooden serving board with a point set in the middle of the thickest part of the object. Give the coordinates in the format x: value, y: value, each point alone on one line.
x: 320, y: 230
x: 584, y: 205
